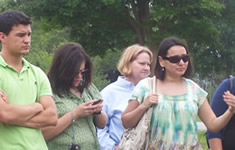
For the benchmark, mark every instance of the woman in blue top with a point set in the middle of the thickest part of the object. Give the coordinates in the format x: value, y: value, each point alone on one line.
x: 176, y: 104
x: 134, y: 65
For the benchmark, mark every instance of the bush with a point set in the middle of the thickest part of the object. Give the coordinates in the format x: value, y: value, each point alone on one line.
x: 105, y: 69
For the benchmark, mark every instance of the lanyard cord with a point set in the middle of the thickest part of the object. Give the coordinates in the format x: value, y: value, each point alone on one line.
x: 73, y: 135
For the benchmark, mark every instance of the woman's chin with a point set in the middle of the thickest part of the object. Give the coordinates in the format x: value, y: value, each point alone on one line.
x: 76, y: 84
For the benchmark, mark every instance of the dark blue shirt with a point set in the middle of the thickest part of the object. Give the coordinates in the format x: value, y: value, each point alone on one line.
x: 219, y: 106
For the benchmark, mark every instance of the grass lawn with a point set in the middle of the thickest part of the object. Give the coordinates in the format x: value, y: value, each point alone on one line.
x: 202, y: 139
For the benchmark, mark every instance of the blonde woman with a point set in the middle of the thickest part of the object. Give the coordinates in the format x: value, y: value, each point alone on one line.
x: 134, y: 65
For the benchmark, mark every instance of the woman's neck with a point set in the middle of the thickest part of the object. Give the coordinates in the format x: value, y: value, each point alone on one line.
x: 172, y: 79
x: 171, y: 86
x: 75, y: 92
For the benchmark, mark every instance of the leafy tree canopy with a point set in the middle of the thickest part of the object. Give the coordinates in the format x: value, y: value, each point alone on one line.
x: 104, y: 24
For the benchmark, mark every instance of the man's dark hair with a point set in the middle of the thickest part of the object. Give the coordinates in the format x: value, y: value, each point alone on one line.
x: 65, y: 67
x: 10, y: 18
x: 165, y: 45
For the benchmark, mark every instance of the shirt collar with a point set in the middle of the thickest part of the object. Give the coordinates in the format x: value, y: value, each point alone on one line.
x: 122, y: 81
x: 2, y: 61
x: 25, y: 63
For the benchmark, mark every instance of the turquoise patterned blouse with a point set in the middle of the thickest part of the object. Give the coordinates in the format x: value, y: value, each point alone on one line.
x: 84, y: 128
x: 173, y: 125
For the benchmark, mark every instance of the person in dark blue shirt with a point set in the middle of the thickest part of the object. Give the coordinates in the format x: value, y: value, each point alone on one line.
x: 222, y: 139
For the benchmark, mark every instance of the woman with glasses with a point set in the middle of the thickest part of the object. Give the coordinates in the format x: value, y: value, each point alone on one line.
x: 179, y: 101
x: 77, y: 100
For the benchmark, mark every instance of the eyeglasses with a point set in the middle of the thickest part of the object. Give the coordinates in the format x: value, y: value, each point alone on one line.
x: 83, y: 71
x: 177, y: 58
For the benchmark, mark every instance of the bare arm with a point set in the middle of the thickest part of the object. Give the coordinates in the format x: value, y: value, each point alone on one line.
x: 100, y: 119
x: 213, y: 123
x: 215, y: 144
x: 18, y: 114
x: 135, y: 111
x: 47, y: 117
x: 63, y: 122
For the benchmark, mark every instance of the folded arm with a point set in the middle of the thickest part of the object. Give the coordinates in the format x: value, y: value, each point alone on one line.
x: 47, y: 117
x: 18, y: 114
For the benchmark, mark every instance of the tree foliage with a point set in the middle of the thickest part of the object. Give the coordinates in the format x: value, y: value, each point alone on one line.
x: 102, y: 25
x: 44, y: 44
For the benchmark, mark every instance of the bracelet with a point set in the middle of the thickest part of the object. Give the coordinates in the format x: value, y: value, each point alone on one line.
x: 97, y: 113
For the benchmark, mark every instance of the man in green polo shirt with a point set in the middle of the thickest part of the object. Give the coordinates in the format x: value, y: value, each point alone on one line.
x: 26, y: 103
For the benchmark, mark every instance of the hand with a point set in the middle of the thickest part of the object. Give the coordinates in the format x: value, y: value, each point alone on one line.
x: 3, y: 96
x: 116, y: 147
x: 99, y: 104
x: 150, y: 100
x: 230, y: 100
x: 88, y: 108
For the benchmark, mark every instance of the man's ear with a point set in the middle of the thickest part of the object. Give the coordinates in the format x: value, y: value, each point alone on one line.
x: 2, y: 36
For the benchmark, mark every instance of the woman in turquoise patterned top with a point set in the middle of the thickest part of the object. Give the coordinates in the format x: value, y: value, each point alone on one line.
x: 74, y: 95
x: 176, y: 103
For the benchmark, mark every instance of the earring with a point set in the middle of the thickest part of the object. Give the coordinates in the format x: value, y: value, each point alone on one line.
x: 163, y: 69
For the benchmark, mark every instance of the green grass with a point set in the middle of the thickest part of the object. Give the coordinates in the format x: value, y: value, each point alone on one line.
x: 202, y: 139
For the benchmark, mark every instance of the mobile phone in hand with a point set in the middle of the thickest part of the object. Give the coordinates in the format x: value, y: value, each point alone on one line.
x: 97, y: 102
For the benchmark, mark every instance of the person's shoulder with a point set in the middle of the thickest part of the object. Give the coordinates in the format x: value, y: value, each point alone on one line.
x: 144, y: 83
x: 37, y: 72
x: 228, y: 80
x: 191, y: 82
x: 108, y: 87
x: 114, y: 85
x: 92, y: 88
x: 227, y: 84
x: 36, y: 68
x: 145, y: 80
x: 33, y: 67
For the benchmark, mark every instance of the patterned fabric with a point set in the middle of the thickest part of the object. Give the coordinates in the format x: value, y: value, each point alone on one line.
x: 173, y: 125
x: 84, y: 128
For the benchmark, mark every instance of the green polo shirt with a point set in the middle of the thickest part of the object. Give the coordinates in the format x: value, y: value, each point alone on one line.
x: 22, y: 88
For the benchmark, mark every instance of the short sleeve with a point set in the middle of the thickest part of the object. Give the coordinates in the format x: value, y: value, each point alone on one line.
x: 141, y: 90
x: 45, y: 87
x: 43, y: 82
x: 60, y: 106
x: 198, y: 92
x: 93, y: 92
